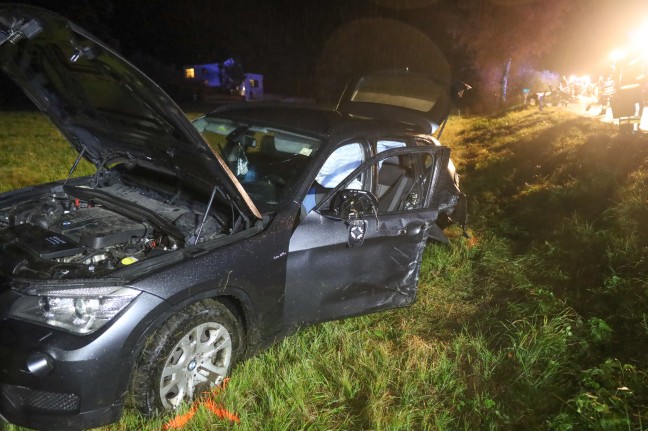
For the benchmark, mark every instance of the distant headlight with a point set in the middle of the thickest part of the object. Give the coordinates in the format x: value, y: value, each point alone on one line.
x: 81, y: 311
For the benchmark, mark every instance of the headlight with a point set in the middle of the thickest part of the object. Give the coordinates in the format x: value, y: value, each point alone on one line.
x: 81, y: 311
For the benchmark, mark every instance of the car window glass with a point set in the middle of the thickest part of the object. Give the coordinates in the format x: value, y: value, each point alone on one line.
x: 268, y: 162
x: 340, y: 164
x: 410, y: 91
x: 385, y: 145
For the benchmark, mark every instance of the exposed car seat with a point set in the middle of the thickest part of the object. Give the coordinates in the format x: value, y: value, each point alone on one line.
x: 393, y: 182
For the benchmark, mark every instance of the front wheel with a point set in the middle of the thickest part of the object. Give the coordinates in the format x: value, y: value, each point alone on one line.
x: 190, y: 354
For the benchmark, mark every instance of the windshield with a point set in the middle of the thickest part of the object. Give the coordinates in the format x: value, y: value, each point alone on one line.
x: 268, y: 162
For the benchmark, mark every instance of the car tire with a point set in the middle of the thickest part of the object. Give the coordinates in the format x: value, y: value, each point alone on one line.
x: 188, y: 355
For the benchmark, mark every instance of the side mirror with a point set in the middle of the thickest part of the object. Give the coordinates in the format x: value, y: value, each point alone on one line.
x: 353, y: 204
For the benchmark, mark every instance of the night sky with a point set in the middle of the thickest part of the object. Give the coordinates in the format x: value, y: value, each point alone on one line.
x: 297, y: 44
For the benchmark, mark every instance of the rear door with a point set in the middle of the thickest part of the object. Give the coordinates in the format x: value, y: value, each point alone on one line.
x: 345, y: 262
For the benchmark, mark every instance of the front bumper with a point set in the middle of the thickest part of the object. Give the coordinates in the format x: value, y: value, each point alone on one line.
x: 53, y: 380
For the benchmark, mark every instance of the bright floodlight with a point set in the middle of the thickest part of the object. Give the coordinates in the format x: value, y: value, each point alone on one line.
x: 617, y: 55
x: 639, y: 40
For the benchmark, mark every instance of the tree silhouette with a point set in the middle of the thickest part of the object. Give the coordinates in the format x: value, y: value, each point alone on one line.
x: 503, y: 36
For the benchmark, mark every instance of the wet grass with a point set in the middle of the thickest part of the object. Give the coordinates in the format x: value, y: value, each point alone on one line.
x: 538, y: 322
x: 32, y: 151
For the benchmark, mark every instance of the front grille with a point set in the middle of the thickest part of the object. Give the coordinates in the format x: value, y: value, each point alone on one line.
x: 47, y: 401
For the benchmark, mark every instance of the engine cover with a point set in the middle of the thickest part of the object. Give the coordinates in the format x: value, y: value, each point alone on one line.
x: 97, y: 227
x: 46, y: 244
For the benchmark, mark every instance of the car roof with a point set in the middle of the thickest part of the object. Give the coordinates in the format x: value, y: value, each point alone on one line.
x: 312, y: 120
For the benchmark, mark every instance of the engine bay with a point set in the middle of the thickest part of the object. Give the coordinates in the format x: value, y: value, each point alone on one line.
x: 107, y: 222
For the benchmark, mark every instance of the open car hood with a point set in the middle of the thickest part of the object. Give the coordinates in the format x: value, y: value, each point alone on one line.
x: 401, y: 95
x: 104, y: 106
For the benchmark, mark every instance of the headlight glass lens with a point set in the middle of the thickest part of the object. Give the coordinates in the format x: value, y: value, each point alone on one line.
x: 80, y: 311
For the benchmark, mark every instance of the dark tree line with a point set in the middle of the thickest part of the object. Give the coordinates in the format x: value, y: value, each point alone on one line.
x: 301, y: 48
x: 505, y: 38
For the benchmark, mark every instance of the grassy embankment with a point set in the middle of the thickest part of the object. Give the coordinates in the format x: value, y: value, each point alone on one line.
x: 540, y: 321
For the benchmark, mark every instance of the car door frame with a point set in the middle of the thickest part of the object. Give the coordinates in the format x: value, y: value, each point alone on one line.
x: 326, y: 279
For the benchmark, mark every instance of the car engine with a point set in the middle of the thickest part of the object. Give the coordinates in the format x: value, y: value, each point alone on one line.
x: 72, y: 231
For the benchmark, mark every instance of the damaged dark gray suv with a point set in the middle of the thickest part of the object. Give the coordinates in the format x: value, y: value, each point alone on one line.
x: 193, y: 246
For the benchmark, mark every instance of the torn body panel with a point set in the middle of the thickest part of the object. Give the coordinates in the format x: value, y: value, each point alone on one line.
x: 327, y: 279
